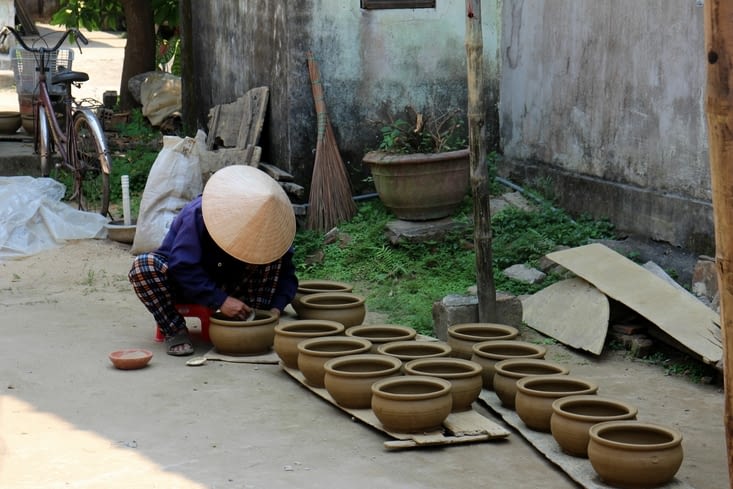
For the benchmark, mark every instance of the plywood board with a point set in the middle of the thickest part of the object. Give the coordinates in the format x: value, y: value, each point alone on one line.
x: 676, y: 312
x: 572, y: 311
x: 578, y: 469
x: 463, y: 427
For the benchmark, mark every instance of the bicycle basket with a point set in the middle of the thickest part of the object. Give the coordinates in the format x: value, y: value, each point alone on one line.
x: 26, y: 76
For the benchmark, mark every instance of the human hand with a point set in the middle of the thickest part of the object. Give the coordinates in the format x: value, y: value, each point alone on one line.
x: 234, y: 308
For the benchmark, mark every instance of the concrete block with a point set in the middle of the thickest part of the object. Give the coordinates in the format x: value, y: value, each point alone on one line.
x: 458, y: 309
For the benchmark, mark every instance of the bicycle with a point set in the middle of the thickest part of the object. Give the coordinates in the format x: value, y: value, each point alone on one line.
x: 74, y: 132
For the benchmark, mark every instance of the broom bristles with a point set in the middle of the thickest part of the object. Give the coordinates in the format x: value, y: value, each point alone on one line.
x: 330, y: 201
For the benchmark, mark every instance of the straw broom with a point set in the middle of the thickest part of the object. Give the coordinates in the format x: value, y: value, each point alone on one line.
x: 330, y: 202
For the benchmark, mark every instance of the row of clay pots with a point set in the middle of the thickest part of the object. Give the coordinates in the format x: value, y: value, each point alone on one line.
x: 411, y: 386
x: 623, y: 451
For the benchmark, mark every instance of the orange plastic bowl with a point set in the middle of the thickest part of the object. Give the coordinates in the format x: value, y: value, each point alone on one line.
x: 130, y: 358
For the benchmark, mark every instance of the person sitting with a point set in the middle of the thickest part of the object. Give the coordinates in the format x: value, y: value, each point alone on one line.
x: 230, y: 249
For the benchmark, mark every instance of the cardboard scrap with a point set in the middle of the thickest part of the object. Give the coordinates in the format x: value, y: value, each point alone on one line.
x: 674, y: 311
x: 572, y: 311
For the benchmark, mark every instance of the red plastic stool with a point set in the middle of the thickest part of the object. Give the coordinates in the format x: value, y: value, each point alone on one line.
x: 190, y: 311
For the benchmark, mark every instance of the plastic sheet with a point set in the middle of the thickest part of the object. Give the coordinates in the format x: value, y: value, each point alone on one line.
x: 33, y: 218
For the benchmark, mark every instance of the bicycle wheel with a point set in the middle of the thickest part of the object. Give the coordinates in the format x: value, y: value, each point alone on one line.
x: 45, y: 150
x: 92, y: 163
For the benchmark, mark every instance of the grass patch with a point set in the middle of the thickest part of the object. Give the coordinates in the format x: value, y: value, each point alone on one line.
x: 404, y: 281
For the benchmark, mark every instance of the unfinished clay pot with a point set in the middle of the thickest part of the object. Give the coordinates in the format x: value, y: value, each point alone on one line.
x: 288, y: 335
x: 413, y: 350
x: 631, y: 454
x: 412, y: 404
x: 464, y: 376
x: 349, y: 379
x: 462, y: 337
x: 342, y: 307
x: 573, y: 416
x: 243, y: 337
x: 380, y: 334
x: 316, y: 286
x: 313, y: 353
x: 535, y: 395
x: 507, y: 372
x: 488, y: 353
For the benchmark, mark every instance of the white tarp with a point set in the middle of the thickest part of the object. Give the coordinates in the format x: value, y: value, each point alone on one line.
x: 33, y: 218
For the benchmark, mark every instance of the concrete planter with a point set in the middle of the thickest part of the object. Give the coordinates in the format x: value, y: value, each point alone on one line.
x: 421, y: 186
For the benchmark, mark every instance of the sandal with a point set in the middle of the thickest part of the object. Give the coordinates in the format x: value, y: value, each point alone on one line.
x: 178, y: 339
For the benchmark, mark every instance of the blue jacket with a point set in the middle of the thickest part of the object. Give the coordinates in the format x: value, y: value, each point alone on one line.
x: 199, y: 268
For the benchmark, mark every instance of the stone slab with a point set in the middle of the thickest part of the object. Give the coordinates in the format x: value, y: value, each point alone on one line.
x: 458, y: 309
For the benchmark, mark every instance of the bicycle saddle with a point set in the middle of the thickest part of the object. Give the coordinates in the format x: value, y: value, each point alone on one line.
x: 67, y: 76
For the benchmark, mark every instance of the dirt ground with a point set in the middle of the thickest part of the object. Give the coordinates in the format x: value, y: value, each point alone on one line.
x: 69, y: 419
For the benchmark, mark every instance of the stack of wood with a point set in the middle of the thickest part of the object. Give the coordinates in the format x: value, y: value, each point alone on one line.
x: 233, y: 139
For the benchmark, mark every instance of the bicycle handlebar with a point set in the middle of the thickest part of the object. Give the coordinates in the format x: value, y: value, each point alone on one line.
x: 78, y: 36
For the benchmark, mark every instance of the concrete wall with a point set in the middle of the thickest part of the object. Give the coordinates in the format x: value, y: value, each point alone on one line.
x: 372, y: 62
x: 603, y: 101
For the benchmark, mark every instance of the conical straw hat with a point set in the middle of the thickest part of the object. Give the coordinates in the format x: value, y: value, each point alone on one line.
x: 248, y: 214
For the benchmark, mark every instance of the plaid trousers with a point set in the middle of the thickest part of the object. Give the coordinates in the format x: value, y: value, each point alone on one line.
x: 149, y: 279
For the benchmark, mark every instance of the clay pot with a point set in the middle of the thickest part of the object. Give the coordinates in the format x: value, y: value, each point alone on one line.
x: 412, y: 404
x: 306, y: 287
x: 462, y: 337
x: 288, y: 335
x: 342, y: 307
x: 412, y: 350
x: 315, y: 352
x: 28, y: 122
x: 380, y: 334
x: 9, y: 122
x: 349, y: 379
x: 535, y: 395
x: 488, y: 353
x: 634, y: 454
x: 507, y: 372
x: 573, y: 416
x: 243, y: 337
x: 464, y: 376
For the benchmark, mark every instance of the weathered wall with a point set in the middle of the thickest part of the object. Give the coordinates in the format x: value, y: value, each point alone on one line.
x: 604, y: 100
x: 372, y: 63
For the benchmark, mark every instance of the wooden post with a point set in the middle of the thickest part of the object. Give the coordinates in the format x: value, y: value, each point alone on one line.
x: 719, y: 111
x: 479, y: 171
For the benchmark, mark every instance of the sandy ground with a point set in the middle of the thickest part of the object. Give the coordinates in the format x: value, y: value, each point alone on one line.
x: 69, y: 419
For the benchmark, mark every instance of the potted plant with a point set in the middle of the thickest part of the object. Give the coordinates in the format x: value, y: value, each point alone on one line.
x: 421, y: 167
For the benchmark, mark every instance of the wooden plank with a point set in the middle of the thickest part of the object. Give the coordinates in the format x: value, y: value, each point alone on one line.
x: 225, y: 121
x: 676, y: 312
x: 253, y: 116
x: 572, y: 311
x: 211, y: 161
x: 578, y: 469
x: 277, y: 173
x: 480, y: 427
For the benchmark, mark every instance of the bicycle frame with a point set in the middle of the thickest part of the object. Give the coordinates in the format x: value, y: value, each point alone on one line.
x: 46, y: 119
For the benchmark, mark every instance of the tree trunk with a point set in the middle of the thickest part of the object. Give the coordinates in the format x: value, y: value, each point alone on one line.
x: 718, y: 107
x: 479, y: 171
x: 140, y: 46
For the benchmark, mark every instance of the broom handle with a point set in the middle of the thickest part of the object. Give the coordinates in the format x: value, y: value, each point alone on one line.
x: 318, y: 98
